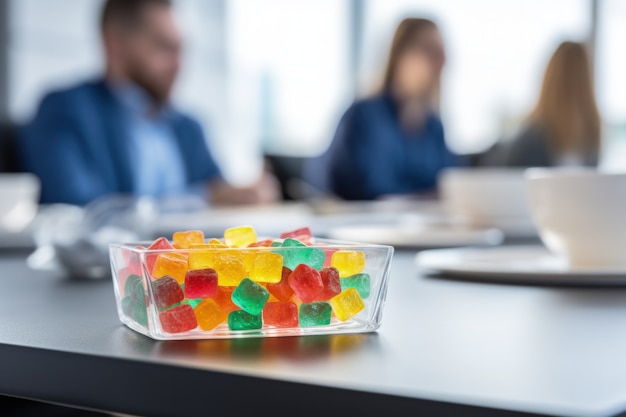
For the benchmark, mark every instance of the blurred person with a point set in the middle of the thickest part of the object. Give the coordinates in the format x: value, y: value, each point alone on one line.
x: 564, y: 127
x: 121, y: 134
x: 393, y: 143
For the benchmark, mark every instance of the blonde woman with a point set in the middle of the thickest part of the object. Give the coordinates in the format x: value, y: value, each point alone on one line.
x: 564, y: 127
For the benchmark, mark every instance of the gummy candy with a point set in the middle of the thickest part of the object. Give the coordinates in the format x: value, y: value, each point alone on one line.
x: 209, y: 314
x: 306, y: 282
x: 159, y: 244
x: 361, y: 282
x: 347, y: 304
x: 300, y: 234
x: 185, y: 240
x: 200, y: 283
x: 173, y: 264
x: 223, y: 298
x: 134, y: 289
x: 348, y: 262
x: 282, y: 290
x: 167, y: 292
x: 301, y: 254
x: 331, y: 282
x: 315, y: 314
x: 281, y: 314
x: 240, y: 237
x: 241, y: 320
x: 267, y: 267
x: 136, y: 310
x: 250, y: 296
x: 229, y: 267
x: 178, y: 319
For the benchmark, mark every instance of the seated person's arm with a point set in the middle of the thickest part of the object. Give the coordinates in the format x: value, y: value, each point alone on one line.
x: 264, y: 191
x: 52, y: 147
x: 204, y: 170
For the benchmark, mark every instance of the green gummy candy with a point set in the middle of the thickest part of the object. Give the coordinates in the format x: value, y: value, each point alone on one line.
x: 135, y: 310
x: 193, y: 302
x: 250, y: 296
x: 134, y: 288
x: 275, y: 244
x: 360, y: 282
x: 295, y: 253
x: 240, y: 320
x: 315, y: 314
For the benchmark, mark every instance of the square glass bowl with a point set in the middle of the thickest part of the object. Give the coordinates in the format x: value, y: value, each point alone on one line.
x: 240, y: 292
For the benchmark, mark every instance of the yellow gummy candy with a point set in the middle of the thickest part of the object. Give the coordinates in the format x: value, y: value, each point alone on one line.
x: 347, y: 304
x: 348, y: 262
x: 268, y: 267
x: 249, y: 258
x: 216, y: 243
x: 209, y: 314
x: 240, y: 237
x: 212, y: 244
x: 229, y: 267
x: 172, y: 264
x: 184, y: 240
x: 201, y: 259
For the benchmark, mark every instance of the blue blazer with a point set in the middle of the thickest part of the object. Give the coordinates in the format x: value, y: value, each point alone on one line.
x: 371, y: 156
x: 78, y: 145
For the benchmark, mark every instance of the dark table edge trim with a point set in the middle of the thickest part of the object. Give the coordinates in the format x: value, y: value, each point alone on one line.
x: 147, y: 389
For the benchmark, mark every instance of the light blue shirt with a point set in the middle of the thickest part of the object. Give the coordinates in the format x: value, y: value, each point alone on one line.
x: 159, y: 163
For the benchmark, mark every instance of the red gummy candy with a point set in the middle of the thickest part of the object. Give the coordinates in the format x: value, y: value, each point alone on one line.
x: 132, y: 261
x: 282, y: 290
x: 332, y: 284
x: 303, y: 233
x: 280, y: 314
x: 306, y: 282
x: 329, y: 257
x: 167, y: 292
x: 261, y: 243
x: 178, y: 319
x: 200, y: 283
x: 160, y: 244
x: 223, y: 298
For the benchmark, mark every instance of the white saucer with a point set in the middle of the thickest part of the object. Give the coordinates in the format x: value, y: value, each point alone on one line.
x: 514, y: 264
x: 417, y: 237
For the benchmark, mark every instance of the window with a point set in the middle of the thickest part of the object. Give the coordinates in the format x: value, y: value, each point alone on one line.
x: 611, y: 80
x: 288, y: 67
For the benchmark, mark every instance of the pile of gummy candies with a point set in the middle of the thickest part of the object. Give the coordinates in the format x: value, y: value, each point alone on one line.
x: 200, y: 284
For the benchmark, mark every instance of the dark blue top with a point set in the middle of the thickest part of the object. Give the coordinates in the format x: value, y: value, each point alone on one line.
x: 79, y: 144
x: 371, y: 156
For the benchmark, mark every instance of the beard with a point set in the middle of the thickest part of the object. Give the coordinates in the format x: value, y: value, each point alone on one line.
x: 158, y: 90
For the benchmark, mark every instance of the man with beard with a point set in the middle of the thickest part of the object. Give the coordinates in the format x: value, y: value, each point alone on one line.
x: 121, y: 134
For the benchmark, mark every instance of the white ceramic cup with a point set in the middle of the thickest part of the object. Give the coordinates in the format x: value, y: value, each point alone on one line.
x: 19, y: 200
x: 580, y: 214
x: 486, y: 197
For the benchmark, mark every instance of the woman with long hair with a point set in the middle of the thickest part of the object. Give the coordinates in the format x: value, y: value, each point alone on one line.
x: 564, y: 129
x: 393, y: 142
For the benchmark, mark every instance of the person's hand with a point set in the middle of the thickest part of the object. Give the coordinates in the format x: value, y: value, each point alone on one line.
x: 265, y: 190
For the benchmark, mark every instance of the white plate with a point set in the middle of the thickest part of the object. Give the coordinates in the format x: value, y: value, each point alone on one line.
x: 421, y: 237
x: 514, y: 264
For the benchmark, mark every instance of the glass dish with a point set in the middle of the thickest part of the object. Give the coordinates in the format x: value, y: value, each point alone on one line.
x: 138, y: 303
